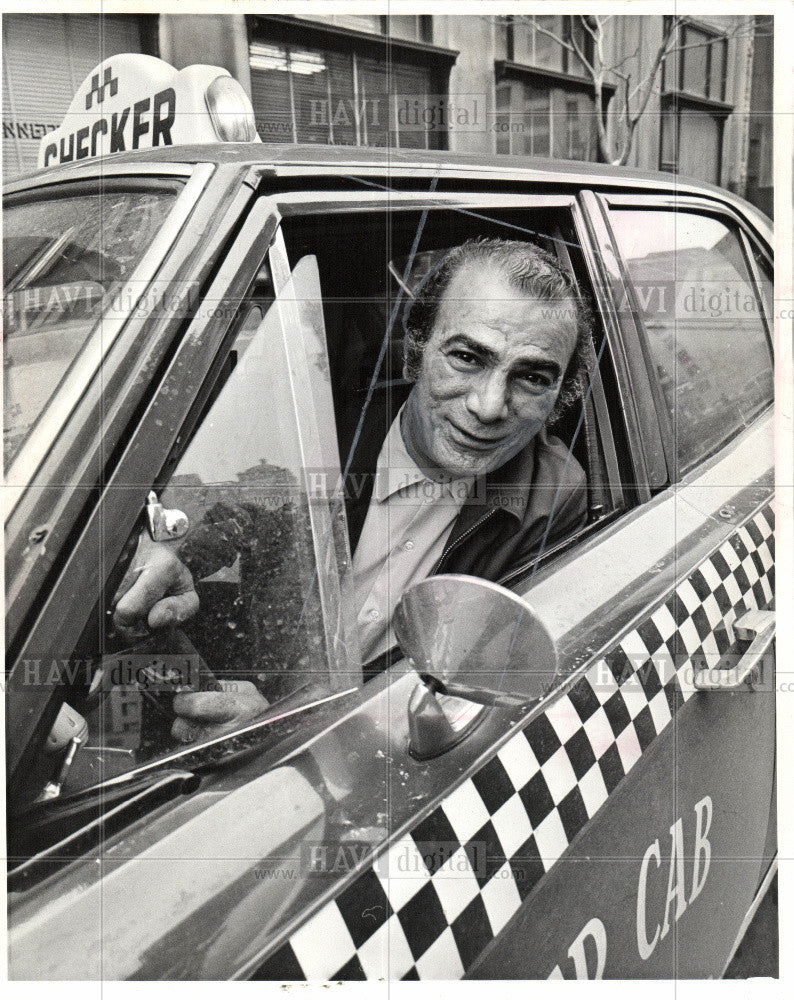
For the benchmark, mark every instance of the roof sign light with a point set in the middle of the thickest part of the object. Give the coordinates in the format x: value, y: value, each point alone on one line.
x: 230, y: 110
x: 133, y: 101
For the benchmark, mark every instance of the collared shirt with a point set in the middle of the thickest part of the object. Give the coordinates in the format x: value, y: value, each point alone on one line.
x: 408, y: 521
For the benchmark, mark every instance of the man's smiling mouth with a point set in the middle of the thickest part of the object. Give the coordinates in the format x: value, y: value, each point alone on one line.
x: 475, y: 441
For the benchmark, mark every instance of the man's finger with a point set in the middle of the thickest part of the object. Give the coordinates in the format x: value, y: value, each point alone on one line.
x: 183, y: 731
x: 174, y: 610
x: 162, y: 576
x: 205, y: 706
x: 150, y: 586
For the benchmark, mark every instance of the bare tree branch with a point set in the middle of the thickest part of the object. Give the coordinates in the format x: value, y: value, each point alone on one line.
x: 625, y: 59
x: 552, y: 34
x: 581, y: 56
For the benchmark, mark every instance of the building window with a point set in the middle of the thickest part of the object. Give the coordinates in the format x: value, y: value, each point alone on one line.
x: 539, y: 119
x: 341, y: 98
x: 693, y: 104
x: 698, y: 66
x: 691, y: 142
x: 528, y: 40
x: 334, y: 83
x: 411, y: 27
x: 355, y: 22
x: 545, y: 102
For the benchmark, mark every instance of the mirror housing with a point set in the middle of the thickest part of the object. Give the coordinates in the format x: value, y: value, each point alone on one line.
x: 469, y: 630
x: 165, y: 524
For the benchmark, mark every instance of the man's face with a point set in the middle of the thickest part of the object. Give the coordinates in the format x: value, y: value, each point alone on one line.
x: 491, y: 373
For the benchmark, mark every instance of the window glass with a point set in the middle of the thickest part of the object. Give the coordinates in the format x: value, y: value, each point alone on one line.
x: 695, y: 56
x: 547, y: 51
x: 356, y: 22
x: 717, y: 73
x: 668, y: 151
x: 555, y: 122
x: 503, y: 119
x: 64, y: 260
x: 691, y: 143
x: 583, y: 40
x: 700, y: 145
x: 708, y: 340
x: 341, y: 98
x: 262, y: 539
x: 504, y: 37
x: 408, y: 26
x: 537, y: 123
x: 574, y: 135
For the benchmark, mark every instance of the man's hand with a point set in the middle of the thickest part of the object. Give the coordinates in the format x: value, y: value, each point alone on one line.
x: 157, y: 589
x: 205, y: 714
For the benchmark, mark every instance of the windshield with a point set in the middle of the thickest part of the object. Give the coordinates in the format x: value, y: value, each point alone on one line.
x: 65, y: 260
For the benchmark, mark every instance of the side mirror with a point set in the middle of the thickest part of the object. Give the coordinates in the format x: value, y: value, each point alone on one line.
x: 469, y: 640
x: 165, y: 524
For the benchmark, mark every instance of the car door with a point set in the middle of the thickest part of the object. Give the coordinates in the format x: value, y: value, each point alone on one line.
x: 666, y: 869
x: 597, y: 835
x: 243, y: 479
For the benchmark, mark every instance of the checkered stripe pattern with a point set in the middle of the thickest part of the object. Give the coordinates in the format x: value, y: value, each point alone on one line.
x: 420, y: 914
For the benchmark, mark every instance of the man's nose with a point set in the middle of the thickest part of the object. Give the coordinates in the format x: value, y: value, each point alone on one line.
x: 488, y: 399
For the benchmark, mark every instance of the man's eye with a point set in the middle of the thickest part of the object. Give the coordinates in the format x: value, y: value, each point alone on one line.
x: 536, y: 379
x: 466, y: 358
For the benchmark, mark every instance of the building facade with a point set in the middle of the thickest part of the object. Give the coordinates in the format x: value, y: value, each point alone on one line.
x: 484, y: 84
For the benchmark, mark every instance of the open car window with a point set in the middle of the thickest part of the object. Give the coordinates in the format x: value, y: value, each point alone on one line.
x: 369, y: 275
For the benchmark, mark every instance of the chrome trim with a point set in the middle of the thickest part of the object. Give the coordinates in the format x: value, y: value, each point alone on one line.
x: 749, y: 916
x: 215, y: 741
x: 89, y: 359
x: 755, y: 271
x: 647, y: 456
x: 99, y: 170
x: 611, y: 334
x: 759, y: 626
x: 313, y: 202
x: 693, y: 200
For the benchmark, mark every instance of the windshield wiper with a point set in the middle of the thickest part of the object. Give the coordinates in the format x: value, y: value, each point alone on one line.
x: 48, y: 834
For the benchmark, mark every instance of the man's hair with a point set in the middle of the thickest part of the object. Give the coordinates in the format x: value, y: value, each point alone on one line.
x: 526, y: 267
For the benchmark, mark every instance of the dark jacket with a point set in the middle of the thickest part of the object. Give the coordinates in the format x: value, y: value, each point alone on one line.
x: 519, y: 512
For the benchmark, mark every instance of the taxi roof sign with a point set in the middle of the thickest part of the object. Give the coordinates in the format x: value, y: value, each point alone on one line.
x: 133, y: 101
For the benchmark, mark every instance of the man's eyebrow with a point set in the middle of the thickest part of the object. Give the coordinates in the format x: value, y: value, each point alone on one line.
x: 472, y: 345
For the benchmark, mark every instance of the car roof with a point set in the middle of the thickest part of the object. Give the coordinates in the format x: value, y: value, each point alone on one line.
x: 285, y: 159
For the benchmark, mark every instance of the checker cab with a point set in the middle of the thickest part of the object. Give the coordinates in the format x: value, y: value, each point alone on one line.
x: 565, y: 773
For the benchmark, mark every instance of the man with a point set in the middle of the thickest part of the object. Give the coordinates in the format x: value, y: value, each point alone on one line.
x: 467, y: 479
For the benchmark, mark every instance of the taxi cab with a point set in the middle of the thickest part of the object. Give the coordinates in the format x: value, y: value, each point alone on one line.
x: 566, y: 773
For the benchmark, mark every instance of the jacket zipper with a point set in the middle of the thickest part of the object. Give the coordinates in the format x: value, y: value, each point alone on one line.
x: 465, y: 535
